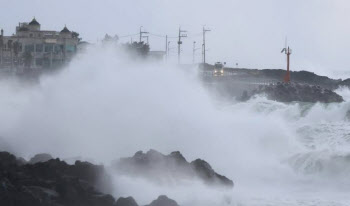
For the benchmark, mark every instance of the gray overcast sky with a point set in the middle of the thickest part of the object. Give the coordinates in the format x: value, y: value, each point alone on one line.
x: 250, y: 32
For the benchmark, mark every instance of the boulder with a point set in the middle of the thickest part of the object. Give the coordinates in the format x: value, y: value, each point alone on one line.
x: 7, y: 161
x: 163, y: 201
x: 204, y: 170
x: 56, y: 183
x: 290, y: 92
x: 126, y: 201
x: 43, y: 157
x: 50, y: 183
x: 162, y: 168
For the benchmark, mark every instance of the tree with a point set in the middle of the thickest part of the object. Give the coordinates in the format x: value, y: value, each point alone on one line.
x: 138, y: 48
x: 111, y: 39
x: 76, y: 35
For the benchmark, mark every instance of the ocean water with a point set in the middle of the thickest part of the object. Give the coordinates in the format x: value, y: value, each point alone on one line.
x: 313, y: 167
x: 103, y: 107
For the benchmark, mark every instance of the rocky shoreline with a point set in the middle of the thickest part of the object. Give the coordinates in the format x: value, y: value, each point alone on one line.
x: 158, y: 167
x: 300, y: 77
x: 51, y: 183
x: 47, y: 181
x: 295, y: 92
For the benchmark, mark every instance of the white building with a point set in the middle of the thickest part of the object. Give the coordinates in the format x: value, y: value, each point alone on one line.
x: 31, y: 47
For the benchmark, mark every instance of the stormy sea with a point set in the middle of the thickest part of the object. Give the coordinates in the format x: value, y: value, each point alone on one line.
x: 103, y: 106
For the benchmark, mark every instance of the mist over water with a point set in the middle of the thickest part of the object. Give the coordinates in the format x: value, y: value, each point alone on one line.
x: 104, y: 106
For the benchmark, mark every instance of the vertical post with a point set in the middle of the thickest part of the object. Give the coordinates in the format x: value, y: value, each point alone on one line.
x: 166, y: 47
x: 179, y: 44
x: 194, y: 51
x: 288, y: 73
x: 1, y: 45
x: 202, y: 53
x: 168, y: 51
x: 179, y: 47
x: 140, y: 34
x: 204, y: 46
x: 288, y: 52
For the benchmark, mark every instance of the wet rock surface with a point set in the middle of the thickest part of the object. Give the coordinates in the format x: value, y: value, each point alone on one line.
x: 40, y: 158
x: 289, y: 92
x: 170, y: 168
x: 126, y: 201
x: 163, y: 201
x: 345, y: 83
x: 56, y: 183
x: 51, y: 183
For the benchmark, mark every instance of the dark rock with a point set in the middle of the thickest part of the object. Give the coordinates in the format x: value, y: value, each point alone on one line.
x: 56, y: 183
x: 168, y: 168
x: 301, y: 77
x: 40, y: 158
x: 21, y: 161
x: 7, y: 160
x: 289, y: 92
x: 244, y: 96
x: 204, y: 170
x: 346, y: 82
x: 163, y: 201
x: 50, y: 183
x: 126, y: 201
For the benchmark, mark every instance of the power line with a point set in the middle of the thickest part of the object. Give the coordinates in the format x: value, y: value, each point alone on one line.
x: 162, y: 36
x: 159, y: 35
x: 196, y: 34
x: 174, y: 37
x: 128, y: 35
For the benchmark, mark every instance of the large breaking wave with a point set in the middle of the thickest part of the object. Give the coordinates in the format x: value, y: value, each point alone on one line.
x: 103, y: 107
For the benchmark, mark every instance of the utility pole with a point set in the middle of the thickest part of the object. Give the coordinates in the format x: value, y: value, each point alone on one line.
x: 194, y: 52
x: 141, y: 33
x: 166, y: 47
x: 1, y: 46
x: 288, y: 52
x: 203, y: 46
x: 179, y: 43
